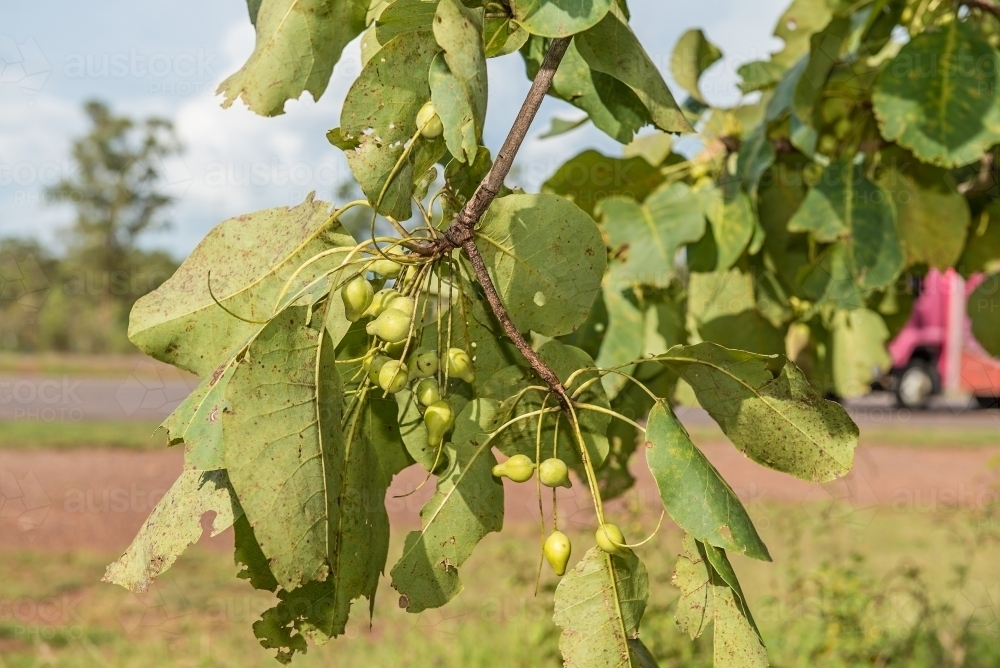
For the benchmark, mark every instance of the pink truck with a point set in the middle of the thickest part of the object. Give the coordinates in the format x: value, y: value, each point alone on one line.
x: 936, y: 353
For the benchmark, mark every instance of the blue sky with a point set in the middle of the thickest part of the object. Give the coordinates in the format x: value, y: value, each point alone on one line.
x: 167, y: 58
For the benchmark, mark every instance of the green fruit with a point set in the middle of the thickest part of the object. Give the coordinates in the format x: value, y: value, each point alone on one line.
x: 375, y: 366
x: 425, y: 364
x: 827, y: 144
x: 554, y: 473
x: 381, y: 302
x: 460, y: 366
x: 393, y: 376
x: 404, y: 304
x: 557, y: 549
x: 610, y: 539
x: 438, y: 418
x: 392, y: 326
x: 358, y: 295
x: 427, y: 392
x: 518, y: 468
x: 395, y: 350
x: 842, y: 128
x: 429, y: 122
x: 386, y: 267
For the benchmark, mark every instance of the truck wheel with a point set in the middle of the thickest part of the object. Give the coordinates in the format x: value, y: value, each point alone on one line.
x: 916, y: 385
x: 987, y: 401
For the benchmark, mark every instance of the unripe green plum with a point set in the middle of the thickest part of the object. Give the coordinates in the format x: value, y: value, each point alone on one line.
x: 460, y: 365
x: 357, y: 294
x: 374, y: 366
x: 387, y: 267
x: 392, y: 326
x: 554, y: 473
x: 518, y: 468
x: 425, y: 364
x: 438, y: 418
x: 429, y: 122
x: 404, y: 304
x: 427, y: 392
x: 395, y: 350
x: 393, y: 376
x: 381, y: 302
x: 557, y: 549
x: 610, y: 539
x: 827, y: 144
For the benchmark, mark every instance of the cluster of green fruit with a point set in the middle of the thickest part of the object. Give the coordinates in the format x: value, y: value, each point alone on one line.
x: 392, y: 315
x: 553, y: 473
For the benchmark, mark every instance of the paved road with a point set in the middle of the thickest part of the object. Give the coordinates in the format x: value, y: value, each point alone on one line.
x: 142, y: 396
x: 151, y: 393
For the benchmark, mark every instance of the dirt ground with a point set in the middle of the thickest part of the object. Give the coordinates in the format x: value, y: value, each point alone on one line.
x: 98, y: 499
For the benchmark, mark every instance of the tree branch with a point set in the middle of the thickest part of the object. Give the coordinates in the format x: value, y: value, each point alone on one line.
x: 461, y: 228
x: 461, y: 232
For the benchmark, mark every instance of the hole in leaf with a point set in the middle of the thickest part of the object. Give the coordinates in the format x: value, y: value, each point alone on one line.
x: 540, y: 298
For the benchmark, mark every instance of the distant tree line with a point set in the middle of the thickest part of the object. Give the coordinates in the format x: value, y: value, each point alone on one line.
x: 77, y: 298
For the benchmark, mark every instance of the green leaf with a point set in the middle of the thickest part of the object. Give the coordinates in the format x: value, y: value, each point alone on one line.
x: 707, y: 596
x: 590, y: 177
x: 693, y: 492
x: 609, y: 103
x: 733, y: 220
x: 982, y: 249
x: 759, y: 75
x: 403, y: 16
x: 197, y: 422
x: 558, y: 18
x: 693, y: 54
x: 174, y: 524
x: 769, y: 411
x: 520, y: 438
x: 284, y: 447
x: 984, y: 311
x: 797, y: 25
x: 623, y: 339
x: 458, y: 78
x: 298, y: 43
x: 251, y: 257
x: 846, y: 204
x: 561, y: 126
x: 546, y: 258
x: 599, y: 604
x: 502, y: 36
x: 612, y: 48
x: 933, y: 218
x: 467, y: 505
x: 937, y: 96
x: 755, y: 157
x: 380, y: 113
x: 651, y: 233
x: 712, y: 295
x: 319, y: 609
x: 747, y: 330
x: 859, y: 354
x: 824, y: 52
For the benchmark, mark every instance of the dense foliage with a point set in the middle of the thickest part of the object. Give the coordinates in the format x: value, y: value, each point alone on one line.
x: 330, y: 363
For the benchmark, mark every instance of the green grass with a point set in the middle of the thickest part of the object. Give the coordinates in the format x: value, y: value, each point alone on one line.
x: 26, y: 435
x: 846, y: 589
